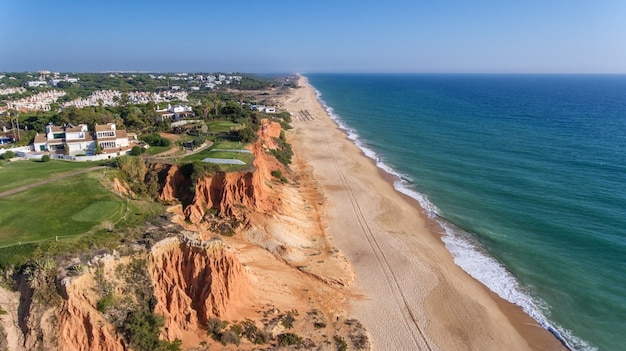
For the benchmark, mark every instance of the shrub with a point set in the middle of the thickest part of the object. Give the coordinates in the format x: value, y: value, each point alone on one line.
x: 45, y: 158
x: 155, y: 139
x: 7, y: 155
x: 278, y: 174
x: 341, y: 343
x: 287, y: 321
x: 137, y: 150
x: 284, y: 152
x: 254, y: 334
x: 232, y: 335
x: 105, y: 302
x: 287, y: 339
x: 142, y: 329
x: 215, y: 327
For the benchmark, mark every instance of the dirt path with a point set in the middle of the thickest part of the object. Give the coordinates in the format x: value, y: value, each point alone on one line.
x: 49, y: 180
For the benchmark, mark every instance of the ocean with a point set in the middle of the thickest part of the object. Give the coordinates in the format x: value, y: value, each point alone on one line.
x: 524, y: 174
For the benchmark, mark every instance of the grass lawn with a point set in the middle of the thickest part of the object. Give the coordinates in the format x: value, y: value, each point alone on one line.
x: 67, y: 207
x: 227, y: 144
x: 20, y: 173
x: 215, y: 153
x: 153, y: 150
x: 97, y: 211
x: 221, y: 126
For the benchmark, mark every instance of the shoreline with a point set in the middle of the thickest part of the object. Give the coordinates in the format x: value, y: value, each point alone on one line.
x: 416, y: 297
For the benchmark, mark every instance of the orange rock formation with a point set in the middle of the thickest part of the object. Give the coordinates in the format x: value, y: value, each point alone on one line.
x: 194, y: 281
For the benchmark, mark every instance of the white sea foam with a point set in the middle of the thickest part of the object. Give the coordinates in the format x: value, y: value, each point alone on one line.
x: 467, y: 251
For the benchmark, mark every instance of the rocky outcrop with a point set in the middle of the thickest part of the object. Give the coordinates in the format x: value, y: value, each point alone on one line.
x: 230, y: 194
x: 267, y: 132
x: 81, y: 326
x: 194, y: 281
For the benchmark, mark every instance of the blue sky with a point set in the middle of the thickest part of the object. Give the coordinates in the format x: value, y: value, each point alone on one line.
x: 438, y: 36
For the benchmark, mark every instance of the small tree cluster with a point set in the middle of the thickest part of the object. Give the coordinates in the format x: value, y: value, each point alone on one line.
x: 155, y: 139
x: 7, y: 155
x: 216, y: 328
x: 284, y: 152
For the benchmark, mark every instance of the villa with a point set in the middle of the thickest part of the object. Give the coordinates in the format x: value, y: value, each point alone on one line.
x: 175, y: 112
x: 73, y: 140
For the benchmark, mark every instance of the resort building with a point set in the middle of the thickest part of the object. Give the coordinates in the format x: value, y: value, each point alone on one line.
x: 72, y: 140
x: 175, y: 112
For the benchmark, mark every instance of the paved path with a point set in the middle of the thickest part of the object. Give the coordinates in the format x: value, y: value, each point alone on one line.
x: 49, y: 180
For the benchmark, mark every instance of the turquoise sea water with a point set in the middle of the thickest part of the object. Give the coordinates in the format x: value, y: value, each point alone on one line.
x: 526, y: 175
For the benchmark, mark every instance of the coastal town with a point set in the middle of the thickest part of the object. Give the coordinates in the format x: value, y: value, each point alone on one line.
x: 63, y: 114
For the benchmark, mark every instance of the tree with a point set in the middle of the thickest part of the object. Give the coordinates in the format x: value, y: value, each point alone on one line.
x: 240, y: 98
x: 216, y: 103
x: 45, y: 158
x: 137, y: 150
x: 14, y: 116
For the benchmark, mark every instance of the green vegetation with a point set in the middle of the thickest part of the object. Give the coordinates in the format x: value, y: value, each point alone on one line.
x: 222, y: 127
x: 137, y: 150
x: 60, y: 208
x: 341, y: 343
x: 17, y: 174
x: 288, y: 339
x: 155, y: 139
x: 7, y: 155
x: 216, y: 328
x: 278, y: 174
x: 97, y: 211
x: 155, y: 150
x: 284, y: 152
x: 142, y: 329
x: 45, y: 158
x: 287, y: 320
x: 142, y: 181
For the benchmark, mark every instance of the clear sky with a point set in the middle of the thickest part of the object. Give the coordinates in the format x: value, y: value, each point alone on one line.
x: 433, y: 36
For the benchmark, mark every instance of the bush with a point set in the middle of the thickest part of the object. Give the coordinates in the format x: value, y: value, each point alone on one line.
x: 45, y: 158
x: 341, y: 343
x: 287, y: 339
x: 155, y: 139
x: 287, y: 321
x: 215, y: 327
x: 137, y: 150
x: 284, y: 152
x: 278, y: 174
x: 7, y: 155
x: 142, y: 329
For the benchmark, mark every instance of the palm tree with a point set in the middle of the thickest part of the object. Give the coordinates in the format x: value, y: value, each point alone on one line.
x: 240, y: 97
x: 216, y: 103
x: 14, y: 116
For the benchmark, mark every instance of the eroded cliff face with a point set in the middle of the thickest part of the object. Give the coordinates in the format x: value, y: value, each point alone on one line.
x: 81, y: 326
x: 194, y: 281
x: 232, y: 194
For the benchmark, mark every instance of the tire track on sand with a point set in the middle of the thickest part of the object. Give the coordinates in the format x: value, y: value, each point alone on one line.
x: 410, y: 320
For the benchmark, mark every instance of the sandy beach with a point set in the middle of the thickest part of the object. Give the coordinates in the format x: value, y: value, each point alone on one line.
x: 408, y: 292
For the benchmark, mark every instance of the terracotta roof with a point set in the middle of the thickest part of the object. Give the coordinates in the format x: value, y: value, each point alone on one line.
x: 56, y: 129
x: 103, y: 127
x: 74, y: 129
x: 40, y: 138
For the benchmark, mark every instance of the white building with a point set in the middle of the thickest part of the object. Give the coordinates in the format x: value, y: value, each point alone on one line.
x: 36, y: 83
x: 174, y: 112
x: 74, y: 140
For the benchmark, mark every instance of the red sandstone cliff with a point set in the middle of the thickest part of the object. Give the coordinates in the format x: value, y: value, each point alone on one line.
x: 194, y: 281
x: 230, y: 194
x: 81, y: 326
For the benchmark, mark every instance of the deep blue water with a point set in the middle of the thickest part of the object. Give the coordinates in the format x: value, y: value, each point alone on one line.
x: 525, y: 173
